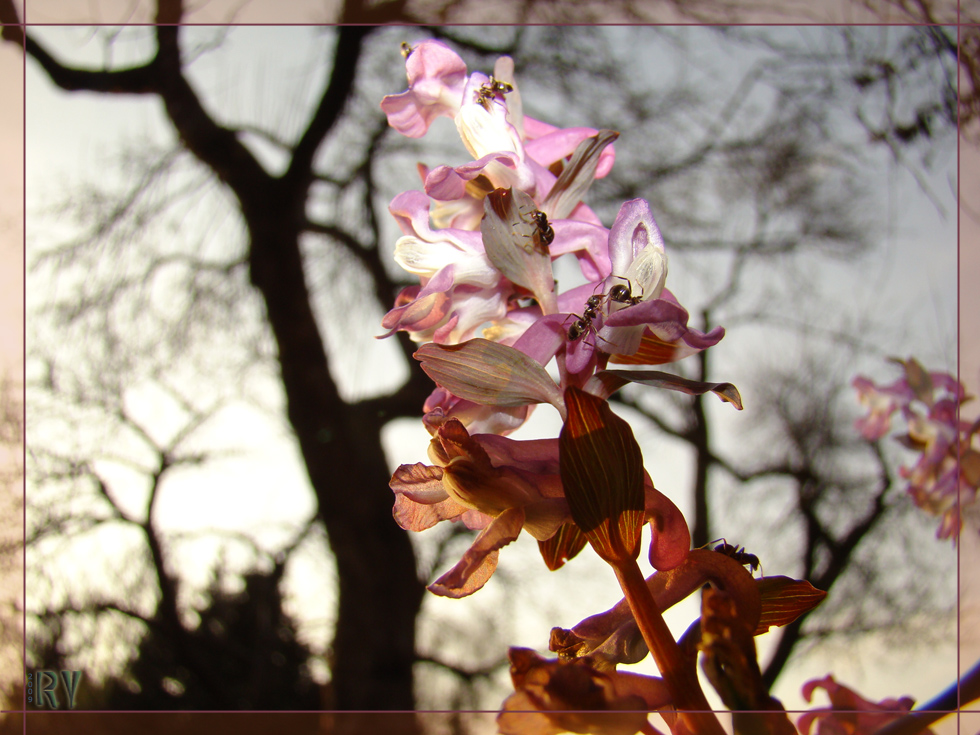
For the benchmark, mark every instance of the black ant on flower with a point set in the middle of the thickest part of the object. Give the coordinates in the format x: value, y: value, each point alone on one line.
x: 490, y: 90
x: 584, y: 324
x: 543, y: 235
x: 545, y: 232
x: 623, y: 293
x: 619, y: 293
x: 739, y: 554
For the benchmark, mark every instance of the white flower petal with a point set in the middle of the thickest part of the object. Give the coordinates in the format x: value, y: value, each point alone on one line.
x: 483, y: 133
x: 648, y: 272
x: 423, y: 258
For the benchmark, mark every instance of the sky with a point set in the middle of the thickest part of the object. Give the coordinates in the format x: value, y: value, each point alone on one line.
x: 69, y: 135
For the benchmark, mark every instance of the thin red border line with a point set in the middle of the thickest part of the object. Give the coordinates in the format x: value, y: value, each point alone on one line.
x: 24, y: 25
x: 959, y: 333
x: 23, y: 431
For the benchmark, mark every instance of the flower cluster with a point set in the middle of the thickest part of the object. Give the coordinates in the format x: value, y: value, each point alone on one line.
x: 946, y: 478
x: 482, y: 236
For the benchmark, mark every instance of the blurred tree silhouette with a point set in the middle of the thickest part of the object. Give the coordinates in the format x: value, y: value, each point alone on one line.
x: 243, y: 655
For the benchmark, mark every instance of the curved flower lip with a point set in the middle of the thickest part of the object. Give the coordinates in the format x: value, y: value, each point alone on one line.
x: 518, y: 491
x: 446, y: 183
x: 436, y: 78
x: 421, y: 501
x: 411, y: 210
x: 553, y: 697
x: 660, y: 311
x: 633, y: 230
x: 425, y: 259
x: 664, y: 317
x: 547, y: 144
x: 472, y: 307
x: 442, y: 405
x: 621, y: 332
x: 443, y: 313
x: 421, y: 309
x: 669, y: 587
x: 849, y: 711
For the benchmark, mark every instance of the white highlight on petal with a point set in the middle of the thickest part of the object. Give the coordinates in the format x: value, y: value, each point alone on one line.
x: 647, y: 274
x: 482, y: 133
x: 425, y: 259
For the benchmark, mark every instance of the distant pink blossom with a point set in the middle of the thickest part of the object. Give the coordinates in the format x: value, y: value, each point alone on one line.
x: 945, y: 480
x: 849, y: 713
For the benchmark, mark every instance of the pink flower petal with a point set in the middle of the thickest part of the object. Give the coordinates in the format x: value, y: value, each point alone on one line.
x: 480, y: 560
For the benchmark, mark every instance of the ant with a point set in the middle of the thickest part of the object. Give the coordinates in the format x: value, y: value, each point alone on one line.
x: 543, y: 235
x: 620, y: 294
x: 490, y: 89
x: 580, y: 327
x: 591, y: 311
x: 739, y: 554
x: 623, y: 294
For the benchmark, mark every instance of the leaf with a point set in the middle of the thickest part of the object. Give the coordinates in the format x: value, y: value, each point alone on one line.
x: 784, y: 600
x: 613, y: 380
x: 489, y: 373
x: 602, y: 472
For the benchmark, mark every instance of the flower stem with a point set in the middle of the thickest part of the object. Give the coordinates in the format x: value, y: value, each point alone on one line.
x: 681, y: 679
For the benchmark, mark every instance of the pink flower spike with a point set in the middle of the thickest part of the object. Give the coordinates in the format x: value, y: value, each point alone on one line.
x: 436, y: 77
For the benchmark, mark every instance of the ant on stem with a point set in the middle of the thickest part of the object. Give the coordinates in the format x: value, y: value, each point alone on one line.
x: 739, y: 554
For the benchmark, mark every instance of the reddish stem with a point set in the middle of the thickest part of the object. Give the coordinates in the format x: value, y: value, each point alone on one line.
x: 681, y: 680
